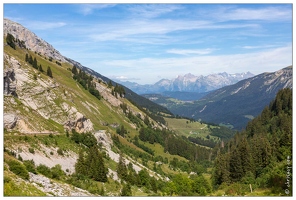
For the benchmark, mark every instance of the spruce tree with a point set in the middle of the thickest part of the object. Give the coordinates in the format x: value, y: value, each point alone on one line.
x: 30, y: 60
x: 110, y: 85
x: 245, y: 156
x: 80, y: 166
x: 10, y: 40
x: 40, y: 68
x: 74, y: 70
x: 27, y: 57
x: 235, y: 166
x: 49, y: 73
x: 126, y: 190
x: 35, y: 65
x: 96, y: 167
x: 121, y: 168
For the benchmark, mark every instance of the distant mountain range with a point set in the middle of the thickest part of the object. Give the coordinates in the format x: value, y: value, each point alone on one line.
x: 188, y: 83
x: 234, y: 104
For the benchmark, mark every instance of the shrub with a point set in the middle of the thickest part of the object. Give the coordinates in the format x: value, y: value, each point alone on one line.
x: 31, y: 150
x: 30, y: 166
x: 43, y: 169
x: 60, y: 152
x: 20, y: 158
x: 18, y: 169
x: 57, y: 172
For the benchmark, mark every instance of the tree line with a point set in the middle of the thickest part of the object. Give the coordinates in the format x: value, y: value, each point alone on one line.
x: 117, y: 90
x: 29, y: 59
x: 86, y: 81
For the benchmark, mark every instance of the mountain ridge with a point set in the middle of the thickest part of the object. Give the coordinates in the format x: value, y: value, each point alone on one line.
x: 188, y: 83
x: 244, y: 99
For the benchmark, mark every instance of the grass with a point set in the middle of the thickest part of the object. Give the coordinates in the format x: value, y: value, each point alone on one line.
x: 186, y: 128
x: 15, y: 188
x: 66, y: 84
x: 159, y: 151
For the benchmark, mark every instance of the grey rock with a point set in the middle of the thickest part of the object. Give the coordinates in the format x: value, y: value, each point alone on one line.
x: 9, y: 82
x: 9, y: 120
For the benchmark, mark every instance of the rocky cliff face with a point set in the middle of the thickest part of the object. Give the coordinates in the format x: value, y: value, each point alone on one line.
x: 26, y: 93
x: 32, y: 41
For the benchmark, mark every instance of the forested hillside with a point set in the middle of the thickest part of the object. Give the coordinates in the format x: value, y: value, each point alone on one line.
x: 260, y: 156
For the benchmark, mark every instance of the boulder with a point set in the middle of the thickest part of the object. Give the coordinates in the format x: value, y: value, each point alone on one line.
x: 80, y: 124
x: 9, y: 120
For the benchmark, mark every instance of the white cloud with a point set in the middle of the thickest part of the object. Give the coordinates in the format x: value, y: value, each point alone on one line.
x: 259, y: 47
x: 87, y: 9
x: 152, y: 10
x: 121, y: 77
x: 265, y: 14
x: 127, y: 30
x: 191, y: 51
x: 42, y: 25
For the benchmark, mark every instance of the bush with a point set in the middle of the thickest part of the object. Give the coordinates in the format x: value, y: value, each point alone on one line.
x: 18, y: 169
x: 30, y: 166
x: 237, y: 189
x: 31, y: 150
x: 43, y: 169
x: 57, y: 172
x: 60, y: 152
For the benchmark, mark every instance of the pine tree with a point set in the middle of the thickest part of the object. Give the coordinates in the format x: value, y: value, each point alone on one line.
x: 49, y: 73
x: 245, y: 156
x: 235, y: 166
x: 74, y: 70
x: 30, y: 60
x: 80, y: 165
x: 146, y: 120
x: 10, y: 40
x: 121, y: 168
x: 40, y: 68
x: 96, y: 166
x: 126, y: 190
x: 27, y: 57
x: 221, y: 169
x: 35, y: 65
x: 110, y: 85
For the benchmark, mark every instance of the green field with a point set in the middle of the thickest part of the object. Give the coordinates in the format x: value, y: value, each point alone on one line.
x: 186, y: 128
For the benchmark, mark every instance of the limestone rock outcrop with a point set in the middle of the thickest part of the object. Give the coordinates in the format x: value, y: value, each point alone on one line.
x: 9, y: 82
x: 9, y: 120
x: 80, y: 123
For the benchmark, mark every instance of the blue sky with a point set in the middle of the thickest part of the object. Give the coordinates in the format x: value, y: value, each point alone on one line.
x: 146, y: 42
